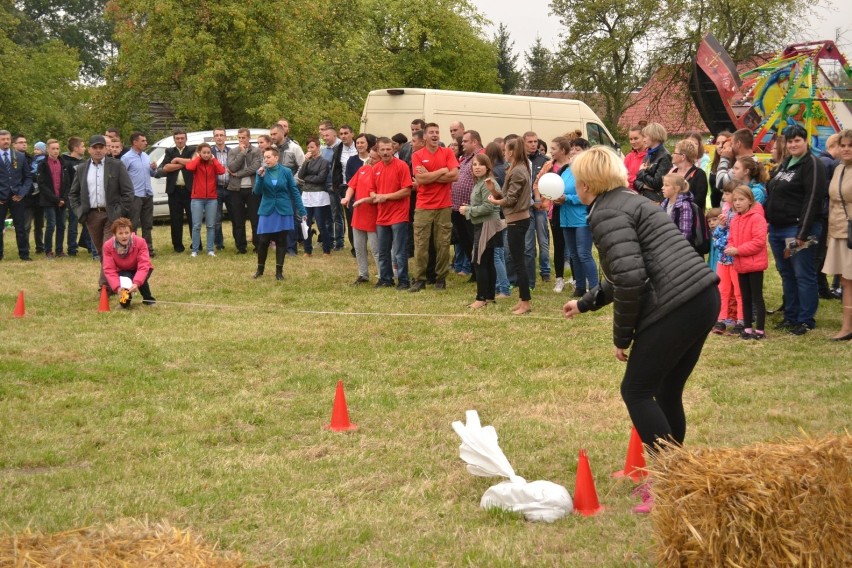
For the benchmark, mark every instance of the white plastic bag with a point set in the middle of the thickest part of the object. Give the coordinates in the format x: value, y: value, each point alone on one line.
x: 304, y: 228
x: 480, y: 450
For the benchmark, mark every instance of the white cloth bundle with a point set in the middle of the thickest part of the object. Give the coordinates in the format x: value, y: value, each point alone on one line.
x: 480, y: 450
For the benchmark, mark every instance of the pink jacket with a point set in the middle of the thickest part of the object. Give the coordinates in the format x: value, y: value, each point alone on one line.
x: 748, y: 235
x: 137, y: 261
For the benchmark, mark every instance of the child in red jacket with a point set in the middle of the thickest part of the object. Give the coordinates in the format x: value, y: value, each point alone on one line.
x: 747, y: 245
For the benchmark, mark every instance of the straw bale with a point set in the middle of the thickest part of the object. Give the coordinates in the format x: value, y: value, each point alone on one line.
x: 129, y: 543
x: 770, y: 504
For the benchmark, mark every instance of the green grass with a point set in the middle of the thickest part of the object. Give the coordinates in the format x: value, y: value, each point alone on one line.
x: 209, y: 411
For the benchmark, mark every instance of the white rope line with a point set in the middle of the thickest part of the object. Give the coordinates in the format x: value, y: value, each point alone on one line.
x: 336, y: 313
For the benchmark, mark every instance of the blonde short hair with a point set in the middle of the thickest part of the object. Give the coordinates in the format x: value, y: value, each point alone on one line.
x: 655, y: 131
x: 677, y: 181
x: 600, y: 168
x: 688, y: 148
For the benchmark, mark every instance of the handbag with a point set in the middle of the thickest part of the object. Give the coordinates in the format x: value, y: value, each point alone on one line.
x: 843, y: 202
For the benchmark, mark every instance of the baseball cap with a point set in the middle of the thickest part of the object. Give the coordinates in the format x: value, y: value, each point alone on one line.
x: 97, y: 139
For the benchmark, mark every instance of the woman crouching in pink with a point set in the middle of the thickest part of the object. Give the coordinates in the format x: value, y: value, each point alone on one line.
x: 127, y: 264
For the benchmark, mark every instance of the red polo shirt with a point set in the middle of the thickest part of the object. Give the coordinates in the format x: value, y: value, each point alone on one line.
x: 434, y: 195
x: 363, y: 216
x: 390, y: 178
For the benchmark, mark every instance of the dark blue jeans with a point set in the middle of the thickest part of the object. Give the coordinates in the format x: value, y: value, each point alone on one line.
x: 393, y: 246
x: 798, y: 275
x: 323, y: 219
x: 54, y: 221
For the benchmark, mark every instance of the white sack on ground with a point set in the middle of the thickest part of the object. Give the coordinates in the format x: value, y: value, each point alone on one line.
x: 480, y: 450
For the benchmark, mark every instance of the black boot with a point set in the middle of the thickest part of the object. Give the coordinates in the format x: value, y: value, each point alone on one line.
x: 259, y: 272
x: 279, y: 272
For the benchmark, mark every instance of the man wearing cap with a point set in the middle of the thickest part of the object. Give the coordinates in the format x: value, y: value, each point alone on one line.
x: 101, y: 192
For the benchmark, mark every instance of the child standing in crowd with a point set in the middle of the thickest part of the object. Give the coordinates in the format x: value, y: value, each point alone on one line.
x: 677, y: 202
x: 712, y: 223
x: 204, y: 196
x: 748, y: 172
x: 731, y: 313
x: 747, y: 245
x: 487, y: 229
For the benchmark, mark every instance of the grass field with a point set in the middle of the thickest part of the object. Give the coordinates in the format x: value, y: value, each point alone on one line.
x: 207, y: 410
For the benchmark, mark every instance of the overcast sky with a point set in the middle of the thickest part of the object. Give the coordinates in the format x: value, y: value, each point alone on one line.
x: 526, y: 19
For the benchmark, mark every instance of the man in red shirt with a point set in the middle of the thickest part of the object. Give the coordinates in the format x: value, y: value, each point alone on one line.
x: 636, y: 156
x: 435, y: 169
x: 392, y: 188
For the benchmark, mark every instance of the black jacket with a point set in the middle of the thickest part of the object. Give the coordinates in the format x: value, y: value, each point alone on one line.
x: 649, y: 268
x: 794, y: 196
x: 313, y: 174
x: 47, y: 195
x: 338, y: 179
x: 649, y: 180
x: 171, y: 177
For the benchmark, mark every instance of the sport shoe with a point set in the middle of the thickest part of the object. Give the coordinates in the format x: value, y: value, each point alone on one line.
x: 211, y: 253
x: 645, y: 507
x: 784, y: 325
x: 381, y: 284
x: 747, y: 335
x: 719, y: 328
x: 798, y: 329
x: 194, y: 254
x: 560, y: 285
x: 738, y: 329
x: 417, y: 286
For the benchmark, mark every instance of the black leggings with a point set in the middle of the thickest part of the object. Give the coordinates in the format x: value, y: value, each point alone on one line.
x: 263, y: 240
x: 652, y: 387
x: 751, y: 288
x: 558, y: 244
x: 517, y: 232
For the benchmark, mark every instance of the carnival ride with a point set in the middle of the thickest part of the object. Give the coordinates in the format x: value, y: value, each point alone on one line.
x: 807, y: 83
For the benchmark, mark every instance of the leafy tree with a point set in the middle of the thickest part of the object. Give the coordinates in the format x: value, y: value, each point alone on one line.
x: 248, y: 63
x: 39, y: 98
x: 507, y: 60
x: 79, y: 24
x: 613, y: 47
x: 541, y: 72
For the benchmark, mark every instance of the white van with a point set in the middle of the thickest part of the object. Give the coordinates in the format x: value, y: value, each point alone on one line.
x: 388, y: 111
x: 158, y: 149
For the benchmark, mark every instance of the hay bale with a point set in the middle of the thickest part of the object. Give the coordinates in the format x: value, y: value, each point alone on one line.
x: 127, y: 543
x: 780, y: 504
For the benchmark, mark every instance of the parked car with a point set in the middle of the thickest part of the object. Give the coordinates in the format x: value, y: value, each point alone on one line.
x: 158, y: 149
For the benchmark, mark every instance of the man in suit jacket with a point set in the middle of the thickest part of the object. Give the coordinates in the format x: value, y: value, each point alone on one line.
x: 15, y: 184
x: 178, y: 185
x: 101, y: 192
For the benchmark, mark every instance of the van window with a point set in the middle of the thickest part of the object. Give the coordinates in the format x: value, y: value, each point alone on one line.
x: 596, y: 135
x: 156, y: 153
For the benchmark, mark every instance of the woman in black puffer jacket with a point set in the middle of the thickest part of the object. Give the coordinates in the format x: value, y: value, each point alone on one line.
x: 657, y: 163
x: 665, y: 296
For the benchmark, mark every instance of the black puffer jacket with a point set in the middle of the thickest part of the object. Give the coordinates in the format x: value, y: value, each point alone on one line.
x: 649, y: 179
x: 649, y: 268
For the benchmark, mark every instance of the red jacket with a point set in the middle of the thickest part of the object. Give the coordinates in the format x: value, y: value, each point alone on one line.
x: 748, y: 235
x: 204, y: 181
x: 632, y: 161
x: 137, y: 261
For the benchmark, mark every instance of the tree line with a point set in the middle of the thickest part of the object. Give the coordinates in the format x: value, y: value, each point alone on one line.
x: 78, y: 66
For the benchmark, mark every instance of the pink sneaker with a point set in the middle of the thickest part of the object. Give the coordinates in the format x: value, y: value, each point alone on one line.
x: 645, y: 507
x: 643, y: 491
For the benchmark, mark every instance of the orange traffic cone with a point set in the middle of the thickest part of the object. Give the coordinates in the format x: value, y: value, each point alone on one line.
x: 104, y: 305
x: 340, y: 414
x: 585, y: 496
x: 19, y: 306
x: 634, y: 465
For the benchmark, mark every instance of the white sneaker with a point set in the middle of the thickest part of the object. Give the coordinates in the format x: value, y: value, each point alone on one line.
x: 194, y: 254
x: 560, y: 285
x: 211, y: 253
